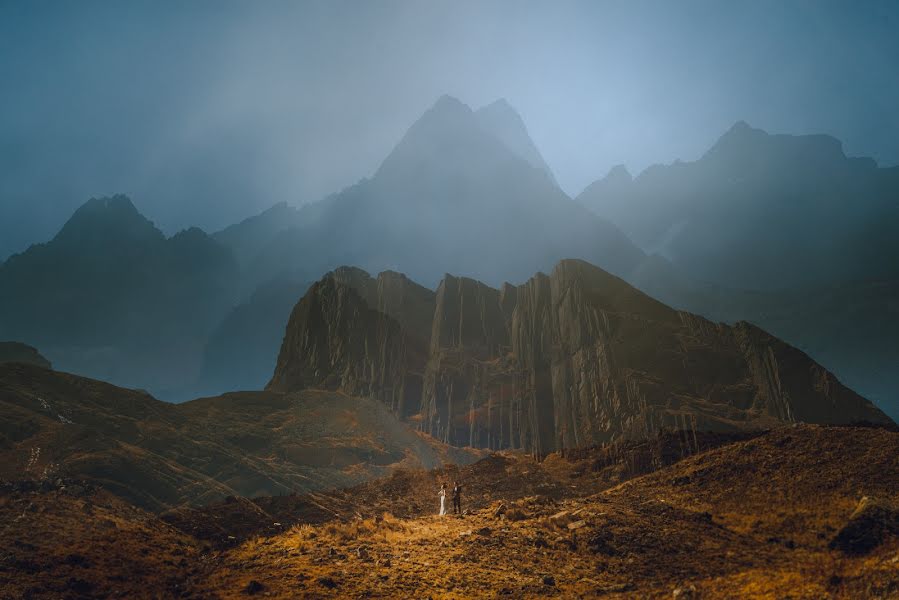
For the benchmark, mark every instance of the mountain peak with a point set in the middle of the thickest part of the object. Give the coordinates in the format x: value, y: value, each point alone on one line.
x: 742, y: 143
x: 447, y: 102
x: 739, y: 134
x: 108, y: 217
x: 619, y: 173
x: 503, y: 122
x: 446, y: 136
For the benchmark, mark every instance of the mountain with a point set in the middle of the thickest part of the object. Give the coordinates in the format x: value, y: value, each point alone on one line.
x: 562, y: 361
x: 241, y: 350
x: 245, y: 239
x: 790, y: 233
x: 111, y: 296
x: 504, y: 123
x: 22, y: 353
x: 459, y: 193
x: 158, y: 455
x: 761, y: 211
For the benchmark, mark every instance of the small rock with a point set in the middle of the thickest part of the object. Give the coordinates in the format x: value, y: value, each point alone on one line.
x: 254, y: 587
x: 516, y: 514
x: 549, y: 580
x: 685, y: 592
x: 327, y: 582
x: 485, y: 531
x: 559, y: 516
x: 616, y: 588
x: 868, y: 527
x: 577, y: 524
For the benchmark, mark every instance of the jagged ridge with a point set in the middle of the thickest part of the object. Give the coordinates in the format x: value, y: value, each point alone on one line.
x: 575, y: 358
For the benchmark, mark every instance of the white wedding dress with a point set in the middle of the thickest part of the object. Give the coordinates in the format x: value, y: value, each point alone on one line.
x: 442, y: 495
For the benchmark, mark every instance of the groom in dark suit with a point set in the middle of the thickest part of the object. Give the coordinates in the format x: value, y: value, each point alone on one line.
x: 457, y: 498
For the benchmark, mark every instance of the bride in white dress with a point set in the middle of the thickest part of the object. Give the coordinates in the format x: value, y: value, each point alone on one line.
x: 442, y: 495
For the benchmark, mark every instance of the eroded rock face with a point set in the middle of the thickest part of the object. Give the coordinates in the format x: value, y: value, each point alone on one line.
x: 360, y: 335
x: 575, y: 358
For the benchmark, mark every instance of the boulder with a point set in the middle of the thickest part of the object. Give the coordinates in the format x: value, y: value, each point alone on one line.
x: 870, y: 524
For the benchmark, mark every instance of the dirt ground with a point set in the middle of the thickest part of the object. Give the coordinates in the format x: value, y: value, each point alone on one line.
x: 755, y: 518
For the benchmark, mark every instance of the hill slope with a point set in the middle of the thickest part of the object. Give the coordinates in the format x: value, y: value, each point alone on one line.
x: 684, y: 529
x: 755, y: 518
x: 158, y: 455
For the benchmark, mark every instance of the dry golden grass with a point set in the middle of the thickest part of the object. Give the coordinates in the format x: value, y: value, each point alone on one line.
x: 752, y: 519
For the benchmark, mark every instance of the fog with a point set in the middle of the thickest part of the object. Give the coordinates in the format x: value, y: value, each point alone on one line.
x: 208, y: 112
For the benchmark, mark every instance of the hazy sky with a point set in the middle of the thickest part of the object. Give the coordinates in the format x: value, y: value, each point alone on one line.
x: 206, y: 112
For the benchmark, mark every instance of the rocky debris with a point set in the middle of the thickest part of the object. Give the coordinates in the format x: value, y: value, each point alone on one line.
x: 516, y: 514
x: 687, y: 592
x: 549, y: 580
x: 615, y: 588
x: 573, y: 359
x: 870, y: 524
x: 561, y: 518
x: 253, y: 588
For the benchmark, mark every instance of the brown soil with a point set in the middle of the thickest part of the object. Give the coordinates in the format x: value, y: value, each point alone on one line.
x: 753, y: 518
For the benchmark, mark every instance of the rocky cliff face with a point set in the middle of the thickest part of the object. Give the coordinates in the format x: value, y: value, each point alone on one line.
x: 575, y: 358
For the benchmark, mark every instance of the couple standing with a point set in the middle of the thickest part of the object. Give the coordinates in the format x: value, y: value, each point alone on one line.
x: 457, y: 498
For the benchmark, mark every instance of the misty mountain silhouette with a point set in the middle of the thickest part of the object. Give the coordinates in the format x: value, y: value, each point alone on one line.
x: 762, y: 211
x: 467, y: 192
x: 110, y: 296
x: 791, y: 216
x: 504, y: 123
x: 241, y: 350
x: 459, y: 193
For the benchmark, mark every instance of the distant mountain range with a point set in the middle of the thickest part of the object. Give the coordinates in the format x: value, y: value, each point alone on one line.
x: 112, y: 297
x: 762, y: 212
x: 463, y: 191
x: 811, y: 231
x: 467, y: 192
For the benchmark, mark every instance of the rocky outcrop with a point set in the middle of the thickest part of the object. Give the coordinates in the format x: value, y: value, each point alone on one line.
x: 568, y: 360
x: 360, y: 335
